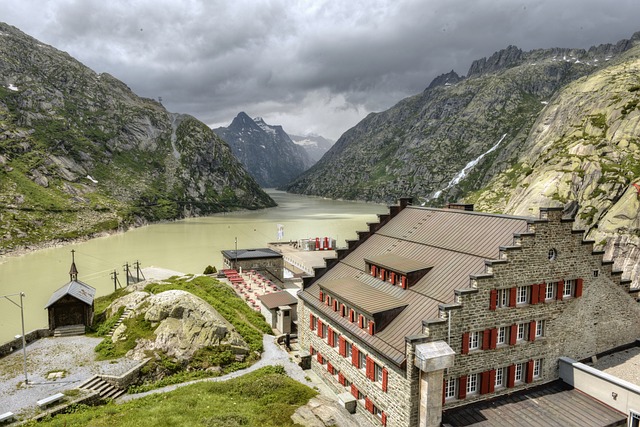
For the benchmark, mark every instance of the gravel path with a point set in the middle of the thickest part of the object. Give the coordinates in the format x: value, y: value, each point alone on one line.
x: 73, y: 356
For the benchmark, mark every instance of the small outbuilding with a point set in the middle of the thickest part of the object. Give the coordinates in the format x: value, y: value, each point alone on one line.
x: 71, y: 306
x: 264, y: 260
x: 280, y: 310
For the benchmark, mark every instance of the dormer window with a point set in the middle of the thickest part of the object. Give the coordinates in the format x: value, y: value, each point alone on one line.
x: 396, y: 269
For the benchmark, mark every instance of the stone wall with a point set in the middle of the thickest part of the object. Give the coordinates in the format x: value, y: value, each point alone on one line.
x: 125, y: 380
x: 604, y: 316
x: 16, y: 344
x: 398, y: 402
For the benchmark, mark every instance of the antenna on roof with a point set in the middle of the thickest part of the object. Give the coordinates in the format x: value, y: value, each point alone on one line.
x: 73, y: 272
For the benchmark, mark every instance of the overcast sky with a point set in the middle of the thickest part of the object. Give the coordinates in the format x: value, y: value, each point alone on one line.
x: 311, y: 66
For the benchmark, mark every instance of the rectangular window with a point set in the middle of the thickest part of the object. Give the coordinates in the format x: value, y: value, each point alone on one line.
x: 474, y: 340
x: 336, y: 339
x: 539, y: 328
x: 634, y: 419
x: 499, y: 378
x: 537, y: 366
x: 522, y: 331
x: 522, y: 295
x: 503, y: 297
x: 323, y: 330
x: 472, y: 384
x: 568, y: 288
x: 519, y: 372
x: 377, y: 373
x: 549, y: 291
x: 363, y: 360
x: 347, y: 349
x: 450, y: 388
x: 502, y: 336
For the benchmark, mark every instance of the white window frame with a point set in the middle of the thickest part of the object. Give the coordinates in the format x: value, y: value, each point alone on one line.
x: 567, y: 290
x: 537, y: 368
x: 363, y: 360
x: 503, y: 298
x: 472, y: 384
x: 522, y: 295
x: 450, y: 388
x: 501, y: 338
x: 549, y: 293
x: 634, y: 418
x: 323, y: 330
x: 499, y: 381
x: 519, y: 371
x: 348, y: 348
x: 475, y: 340
x: 521, y: 334
x: 377, y: 373
x: 539, y: 328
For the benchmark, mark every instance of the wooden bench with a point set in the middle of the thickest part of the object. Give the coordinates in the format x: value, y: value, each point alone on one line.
x: 7, y: 416
x: 49, y: 400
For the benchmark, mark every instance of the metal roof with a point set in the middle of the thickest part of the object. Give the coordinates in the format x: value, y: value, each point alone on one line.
x: 251, y: 253
x: 366, y: 298
x: 398, y: 263
x: 454, y: 243
x: 549, y: 405
x: 75, y: 288
x: 277, y: 299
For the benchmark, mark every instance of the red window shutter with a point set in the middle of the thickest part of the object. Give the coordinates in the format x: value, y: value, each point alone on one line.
x: 343, y: 310
x: 492, y: 380
x: 321, y: 296
x: 311, y: 322
x: 512, y: 296
x: 532, y: 331
x: 369, y: 368
x: 328, y: 299
x: 384, y: 420
x: 393, y: 277
x: 486, y: 339
x: 493, y: 339
x: 542, y: 292
x: 368, y: 404
x: 484, y: 382
x: 578, y: 291
x: 403, y: 282
x: 529, y: 377
x: 340, y: 378
x: 352, y: 315
x: 462, y: 387
x: 319, y: 358
x: 385, y: 379
x: 513, y: 334
x: 465, y: 343
x: 511, y: 376
x: 342, y: 346
x: 373, y: 270
x: 559, y: 290
x: 335, y: 305
x: 360, y: 321
x: 311, y: 350
x: 355, y: 357
x: 320, y: 328
x: 493, y: 299
x: 535, y: 293
x: 354, y: 390
x: 382, y: 273
x: 330, y: 336
x: 371, y: 327
x: 330, y: 368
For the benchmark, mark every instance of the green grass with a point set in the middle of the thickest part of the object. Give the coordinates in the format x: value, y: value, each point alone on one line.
x: 264, y: 398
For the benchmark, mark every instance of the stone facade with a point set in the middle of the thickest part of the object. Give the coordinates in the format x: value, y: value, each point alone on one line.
x: 600, y: 316
x: 547, y: 295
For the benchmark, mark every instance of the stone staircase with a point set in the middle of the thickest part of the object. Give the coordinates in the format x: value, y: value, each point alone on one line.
x: 69, y: 331
x: 104, y: 389
x: 125, y: 315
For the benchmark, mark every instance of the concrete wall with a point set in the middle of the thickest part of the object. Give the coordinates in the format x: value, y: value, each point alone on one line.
x: 604, y: 317
x: 613, y: 391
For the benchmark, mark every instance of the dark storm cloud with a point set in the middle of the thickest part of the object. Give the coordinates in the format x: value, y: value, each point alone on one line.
x: 316, y: 66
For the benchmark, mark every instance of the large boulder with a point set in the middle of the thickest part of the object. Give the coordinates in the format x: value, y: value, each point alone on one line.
x: 184, y: 323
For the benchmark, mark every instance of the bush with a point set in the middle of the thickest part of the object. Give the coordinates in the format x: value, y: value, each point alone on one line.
x: 210, y: 270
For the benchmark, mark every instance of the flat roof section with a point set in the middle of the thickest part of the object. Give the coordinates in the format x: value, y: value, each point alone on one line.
x: 242, y: 254
x: 549, y: 405
x: 362, y: 296
x: 277, y: 299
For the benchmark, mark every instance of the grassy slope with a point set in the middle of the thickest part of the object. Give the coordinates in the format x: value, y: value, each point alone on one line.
x: 264, y: 398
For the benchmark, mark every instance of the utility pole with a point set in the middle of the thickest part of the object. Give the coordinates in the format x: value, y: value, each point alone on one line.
x: 24, y: 339
x: 116, y: 282
x: 137, y: 264
x: 235, y: 266
x: 126, y: 271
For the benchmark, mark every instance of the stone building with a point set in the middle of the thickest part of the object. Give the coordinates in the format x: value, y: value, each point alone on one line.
x: 433, y: 309
x: 267, y: 261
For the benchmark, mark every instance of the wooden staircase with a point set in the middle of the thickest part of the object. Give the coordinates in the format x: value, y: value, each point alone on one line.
x: 104, y: 389
x: 69, y: 331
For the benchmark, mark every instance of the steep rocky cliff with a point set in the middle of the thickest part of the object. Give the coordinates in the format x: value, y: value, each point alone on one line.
x: 267, y: 152
x: 316, y: 146
x: 80, y: 153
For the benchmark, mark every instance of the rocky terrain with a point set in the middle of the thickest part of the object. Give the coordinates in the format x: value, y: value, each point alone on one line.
x: 267, y: 151
x: 80, y: 153
x: 316, y: 146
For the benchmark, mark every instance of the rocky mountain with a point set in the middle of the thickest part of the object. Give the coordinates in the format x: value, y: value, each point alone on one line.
x: 522, y: 130
x: 267, y: 152
x: 81, y: 153
x: 316, y: 146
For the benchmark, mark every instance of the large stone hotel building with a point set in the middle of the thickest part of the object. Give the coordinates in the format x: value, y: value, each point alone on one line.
x: 434, y: 309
